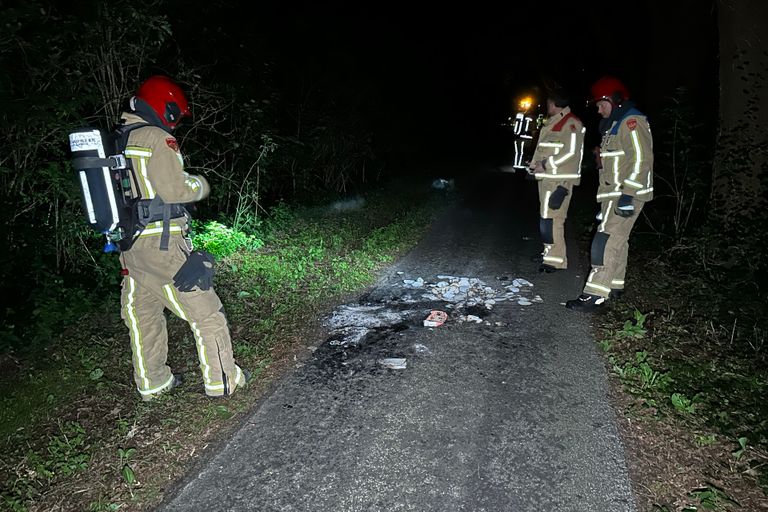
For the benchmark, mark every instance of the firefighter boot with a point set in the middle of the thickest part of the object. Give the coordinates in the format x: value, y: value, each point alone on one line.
x: 586, y: 303
x: 178, y: 380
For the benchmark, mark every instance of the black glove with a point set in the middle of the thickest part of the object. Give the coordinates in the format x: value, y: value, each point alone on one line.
x: 625, y: 208
x: 196, y: 271
x: 557, y: 197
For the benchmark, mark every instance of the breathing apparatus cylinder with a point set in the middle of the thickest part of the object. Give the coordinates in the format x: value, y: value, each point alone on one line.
x: 100, y: 180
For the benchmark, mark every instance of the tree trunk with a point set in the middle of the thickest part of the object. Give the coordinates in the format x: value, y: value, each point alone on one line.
x: 740, y: 176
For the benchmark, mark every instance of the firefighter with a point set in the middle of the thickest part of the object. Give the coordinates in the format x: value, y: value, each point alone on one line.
x: 556, y: 164
x: 625, y: 185
x: 161, y: 269
x: 522, y: 127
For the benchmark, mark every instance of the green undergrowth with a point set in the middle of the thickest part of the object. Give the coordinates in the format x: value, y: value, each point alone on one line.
x: 692, y: 355
x: 71, y: 421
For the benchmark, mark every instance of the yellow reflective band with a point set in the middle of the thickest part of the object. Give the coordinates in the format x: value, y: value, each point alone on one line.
x: 142, y: 154
x: 551, y: 144
x: 571, y: 151
x: 215, y: 387
x: 638, y: 155
x: 158, y: 388
x: 609, y: 194
x: 646, y: 191
x: 617, y: 281
x: 138, y: 151
x: 145, y: 178
x: 552, y: 165
x: 605, y: 217
x: 202, y: 354
x: 130, y: 312
x: 156, y: 231
x: 598, y: 287
x: 633, y: 184
x: 612, y: 153
x: 553, y: 258
x: 545, y: 205
x: 559, y: 176
x: 170, y: 293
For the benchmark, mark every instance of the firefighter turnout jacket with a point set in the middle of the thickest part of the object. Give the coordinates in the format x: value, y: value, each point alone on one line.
x: 159, y: 171
x: 626, y: 152
x: 561, y: 149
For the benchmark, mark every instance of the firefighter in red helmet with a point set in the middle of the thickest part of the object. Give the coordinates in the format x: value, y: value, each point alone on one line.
x: 161, y: 269
x: 625, y: 185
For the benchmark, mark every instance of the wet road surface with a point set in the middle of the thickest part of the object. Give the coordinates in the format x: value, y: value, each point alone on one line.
x: 505, y: 415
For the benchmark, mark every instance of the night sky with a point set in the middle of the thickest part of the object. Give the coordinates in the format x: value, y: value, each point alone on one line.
x: 434, y: 79
x: 440, y: 78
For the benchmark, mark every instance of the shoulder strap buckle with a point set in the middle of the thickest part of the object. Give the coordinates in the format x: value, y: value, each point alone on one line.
x: 117, y: 162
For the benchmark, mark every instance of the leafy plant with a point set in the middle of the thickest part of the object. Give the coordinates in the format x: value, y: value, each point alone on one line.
x: 738, y: 454
x: 711, y: 498
x: 128, y: 475
x: 706, y: 440
x: 682, y: 403
x: 222, y: 241
x: 641, y: 372
x: 65, y: 453
x: 634, y: 328
x: 125, y: 454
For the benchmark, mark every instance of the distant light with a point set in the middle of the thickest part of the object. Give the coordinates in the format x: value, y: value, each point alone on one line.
x: 526, y: 103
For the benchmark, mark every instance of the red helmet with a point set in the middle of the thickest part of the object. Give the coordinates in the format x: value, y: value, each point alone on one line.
x: 166, y: 98
x: 611, y: 89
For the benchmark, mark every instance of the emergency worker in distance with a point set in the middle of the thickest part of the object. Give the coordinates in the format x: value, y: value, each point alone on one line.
x: 625, y: 185
x: 556, y: 164
x: 160, y: 269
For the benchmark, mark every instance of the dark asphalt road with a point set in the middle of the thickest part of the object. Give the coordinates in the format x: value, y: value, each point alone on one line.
x: 508, y: 415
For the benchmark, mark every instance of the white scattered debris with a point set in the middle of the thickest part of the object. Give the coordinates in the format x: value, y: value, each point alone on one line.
x: 393, y: 363
x: 351, y: 323
x: 468, y: 291
x: 356, y: 315
x: 420, y: 349
x: 349, y: 335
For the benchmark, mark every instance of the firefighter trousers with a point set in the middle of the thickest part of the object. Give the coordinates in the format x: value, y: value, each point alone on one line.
x: 552, y: 223
x: 147, y: 291
x: 610, y: 248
